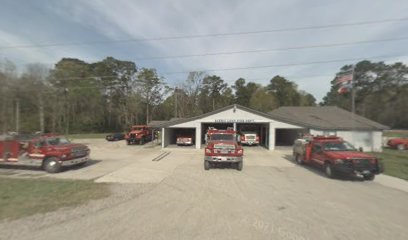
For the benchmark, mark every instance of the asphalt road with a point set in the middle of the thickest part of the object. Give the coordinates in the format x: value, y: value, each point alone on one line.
x: 272, y: 198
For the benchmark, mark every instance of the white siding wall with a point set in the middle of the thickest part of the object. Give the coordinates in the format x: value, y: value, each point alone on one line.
x: 198, y: 135
x: 165, y: 137
x: 368, y: 140
x: 377, y: 141
x: 271, y: 141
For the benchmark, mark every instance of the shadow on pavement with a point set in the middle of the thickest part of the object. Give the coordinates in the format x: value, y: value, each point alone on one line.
x: 14, y: 169
x: 319, y: 171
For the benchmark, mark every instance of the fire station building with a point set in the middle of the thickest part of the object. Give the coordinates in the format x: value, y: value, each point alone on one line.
x: 277, y: 128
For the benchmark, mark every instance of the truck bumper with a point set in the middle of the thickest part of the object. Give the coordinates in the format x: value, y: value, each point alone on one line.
x: 75, y: 161
x: 250, y: 143
x: 223, y: 159
x: 347, y: 169
x: 185, y: 143
x: 133, y: 140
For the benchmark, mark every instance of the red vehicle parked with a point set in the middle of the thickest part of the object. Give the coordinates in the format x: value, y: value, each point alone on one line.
x: 185, y: 140
x: 336, y: 156
x: 249, y: 138
x: 140, y: 134
x: 223, y: 147
x: 398, y: 143
x: 50, y: 152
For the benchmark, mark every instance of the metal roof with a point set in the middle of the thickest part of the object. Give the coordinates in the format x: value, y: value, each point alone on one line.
x: 326, y: 118
x: 184, y: 120
x: 320, y: 118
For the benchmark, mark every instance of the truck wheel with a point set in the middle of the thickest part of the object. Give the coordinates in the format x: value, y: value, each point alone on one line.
x: 401, y: 147
x: 51, y: 165
x: 328, y: 170
x: 206, y: 165
x: 369, y: 177
x: 128, y: 142
x: 240, y: 165
x: 142, y: 141
x: 299, y: 159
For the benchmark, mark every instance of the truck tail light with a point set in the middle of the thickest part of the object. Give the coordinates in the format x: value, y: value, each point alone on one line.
x: 207, y: 150
x: 240, y: 151
x: 242, y: 138
x: 257, y: 138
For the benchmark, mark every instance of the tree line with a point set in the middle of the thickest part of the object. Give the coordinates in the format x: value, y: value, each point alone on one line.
x: 381, y: 92
x: 111, y: 95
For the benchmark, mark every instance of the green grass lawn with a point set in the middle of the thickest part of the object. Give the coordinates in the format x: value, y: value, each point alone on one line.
x: 25, y: 197
x: 395, y: 162
x: 87, y: 135
x: 396, y: 133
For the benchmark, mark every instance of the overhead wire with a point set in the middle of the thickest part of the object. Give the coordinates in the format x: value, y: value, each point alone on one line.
x: 192, y: 36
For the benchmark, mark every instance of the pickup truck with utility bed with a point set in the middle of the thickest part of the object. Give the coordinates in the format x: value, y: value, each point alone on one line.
x: 50, y: 152
x: 336, y: 156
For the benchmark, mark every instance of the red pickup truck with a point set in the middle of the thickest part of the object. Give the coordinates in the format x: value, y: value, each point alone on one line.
x: 223, y: 147
x: 398, y: 143
x: 50, y: 152
x: 336, y: 156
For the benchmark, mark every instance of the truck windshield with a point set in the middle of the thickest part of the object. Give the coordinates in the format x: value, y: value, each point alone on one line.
x: 57, y: 141
x: 222, y: 137
x: 338, y: 146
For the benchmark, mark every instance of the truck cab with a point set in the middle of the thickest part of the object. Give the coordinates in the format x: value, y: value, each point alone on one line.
x: 223, y: 147
x: 50, y: 152
x: 336, y: 156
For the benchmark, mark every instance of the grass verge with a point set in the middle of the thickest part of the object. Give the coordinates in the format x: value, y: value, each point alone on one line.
x: 395, y: 162
x: 25, y: 197
x: 395, y: 133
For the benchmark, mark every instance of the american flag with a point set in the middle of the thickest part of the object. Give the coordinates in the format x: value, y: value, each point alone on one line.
x: 340, y: 79
x: 345, y: 87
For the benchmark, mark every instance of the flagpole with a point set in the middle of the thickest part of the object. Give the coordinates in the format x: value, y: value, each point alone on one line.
x: 353, y: 105
x: 353, y: 94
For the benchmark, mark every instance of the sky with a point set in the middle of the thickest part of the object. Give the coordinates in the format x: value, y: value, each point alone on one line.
x: 45, y: 31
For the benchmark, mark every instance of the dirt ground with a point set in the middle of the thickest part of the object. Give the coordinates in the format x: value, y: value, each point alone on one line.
x: 174, y: 198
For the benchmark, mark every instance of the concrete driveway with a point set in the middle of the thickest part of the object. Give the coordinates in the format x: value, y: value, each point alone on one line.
x: 272, y: 198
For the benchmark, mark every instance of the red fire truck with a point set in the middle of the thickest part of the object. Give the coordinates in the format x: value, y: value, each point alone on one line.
x: 50, y: 152
x: 336, y: 156
x: 223, y: 147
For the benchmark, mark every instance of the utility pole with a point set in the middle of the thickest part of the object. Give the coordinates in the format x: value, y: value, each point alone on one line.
x: 66, y: 111
x: 353, y: 93
x: 18, y: 115
x: 353, y: 103
x: 175, y: 102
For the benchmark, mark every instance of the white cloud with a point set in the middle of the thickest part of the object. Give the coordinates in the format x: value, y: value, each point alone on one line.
x: 124, y: 19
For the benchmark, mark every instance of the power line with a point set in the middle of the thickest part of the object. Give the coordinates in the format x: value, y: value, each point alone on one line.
x: 45, y: 45
x: 285, y: 65
x: 274, y: 49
